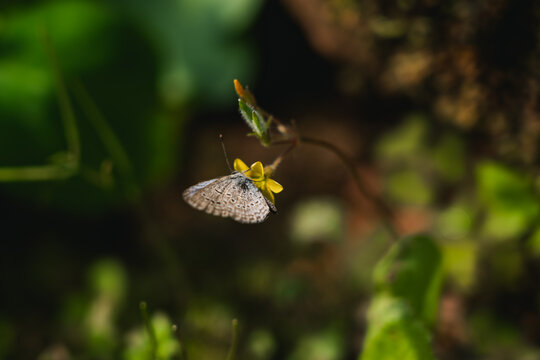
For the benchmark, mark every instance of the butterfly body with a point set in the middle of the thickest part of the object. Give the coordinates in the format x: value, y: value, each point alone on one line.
x: 235, y: 196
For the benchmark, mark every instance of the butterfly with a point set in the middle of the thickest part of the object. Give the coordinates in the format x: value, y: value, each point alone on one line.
x: 235, y: 196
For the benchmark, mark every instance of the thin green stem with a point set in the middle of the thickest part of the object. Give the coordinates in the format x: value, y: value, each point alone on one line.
x: 149, y: 328
x: 66, y: 109
x: 234, y: 341
x: 35, y: 173
x: 71, y: 163
x: 106, y: 134
x: 182, y: 353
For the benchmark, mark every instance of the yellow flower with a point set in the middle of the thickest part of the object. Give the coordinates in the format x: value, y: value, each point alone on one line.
x: 261, y: 177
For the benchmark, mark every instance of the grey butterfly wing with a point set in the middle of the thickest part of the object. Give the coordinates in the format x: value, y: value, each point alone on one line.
x: 190, y: 191
x: 250, y: 205
x: 207, y: 196
x: 234, y: 196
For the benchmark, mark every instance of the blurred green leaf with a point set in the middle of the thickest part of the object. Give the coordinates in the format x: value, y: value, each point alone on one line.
x: 27, y: 91
x: 460, y: 259
x: 412, y: 270
x: 388, y: 28
x: 404, y: 142
x: 22, y: 84
x: 317, y: 220
x: 209, y: 321
x: 211, y: 318
x: 455, y: 221
x: 508, y: 199
x: 394, y: 332
x: 140, y: 347
x: 261, y: 344
x: 410, y: 187
x: 326, y: 345
x: 67, y: 23
x: 107, y: 277
x: 533, y: 243
x: 497, y: 339
x: 197, y: 67
x: 108, y: 282
x: 363, y: 256
x: 449, y: 158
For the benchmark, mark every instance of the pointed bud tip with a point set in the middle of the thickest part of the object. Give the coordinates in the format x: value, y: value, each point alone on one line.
x: 239, y: 88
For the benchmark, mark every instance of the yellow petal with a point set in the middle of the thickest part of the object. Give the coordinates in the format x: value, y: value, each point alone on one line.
x: 240, y: 166
x: 274, y: 186
x: 257, y: 170
x: 268, y: 194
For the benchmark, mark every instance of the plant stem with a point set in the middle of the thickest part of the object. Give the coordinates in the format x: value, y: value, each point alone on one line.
x: 293, y: 144
x: 382, y: 208
x: 234, y: 342
x: 66, y: 108
x: 35, y: 173
x: 149, y: 328
x: 107, y: 136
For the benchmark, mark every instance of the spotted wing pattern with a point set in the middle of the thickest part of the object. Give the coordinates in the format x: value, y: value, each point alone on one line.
x: 234, y: 196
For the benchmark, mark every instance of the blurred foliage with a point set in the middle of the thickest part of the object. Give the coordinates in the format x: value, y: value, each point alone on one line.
x: 499, y: 340
x: 412, y: 270
x: 435, y: 102
x: 261, y: 345
x: 140, y: 345
x: 509, y: 199
x: 394, y: 332
x: 460, y: 258
x: 322, y: 346
x: 408, y: 283
x: 472, y: 64
x: 317, y: 220
x: 120, y: 39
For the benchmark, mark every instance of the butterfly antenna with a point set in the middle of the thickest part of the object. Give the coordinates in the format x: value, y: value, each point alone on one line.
x: 225, y: 152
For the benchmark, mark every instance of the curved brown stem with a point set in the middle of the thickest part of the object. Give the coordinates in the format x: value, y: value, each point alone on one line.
x: 292, y: 144
x: 382, y: 208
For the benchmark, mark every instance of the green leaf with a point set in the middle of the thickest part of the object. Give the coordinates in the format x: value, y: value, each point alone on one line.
x: 261, y: 344
x: 394, y: 332
x: 456, y: 221
x: 326, y: 345
x: 508, y: 198
x: 108, y: 277
x: 108, y: 283
x: 196, y: 67
x: 256, y: 121
x: 409, y: 187
x: 140, y: 346
x: 405, y: 142
x: 533, y: 243
x: 412, y: 270
x: 460, y: 259
x: 449, y: 158
x: 318, y: 219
